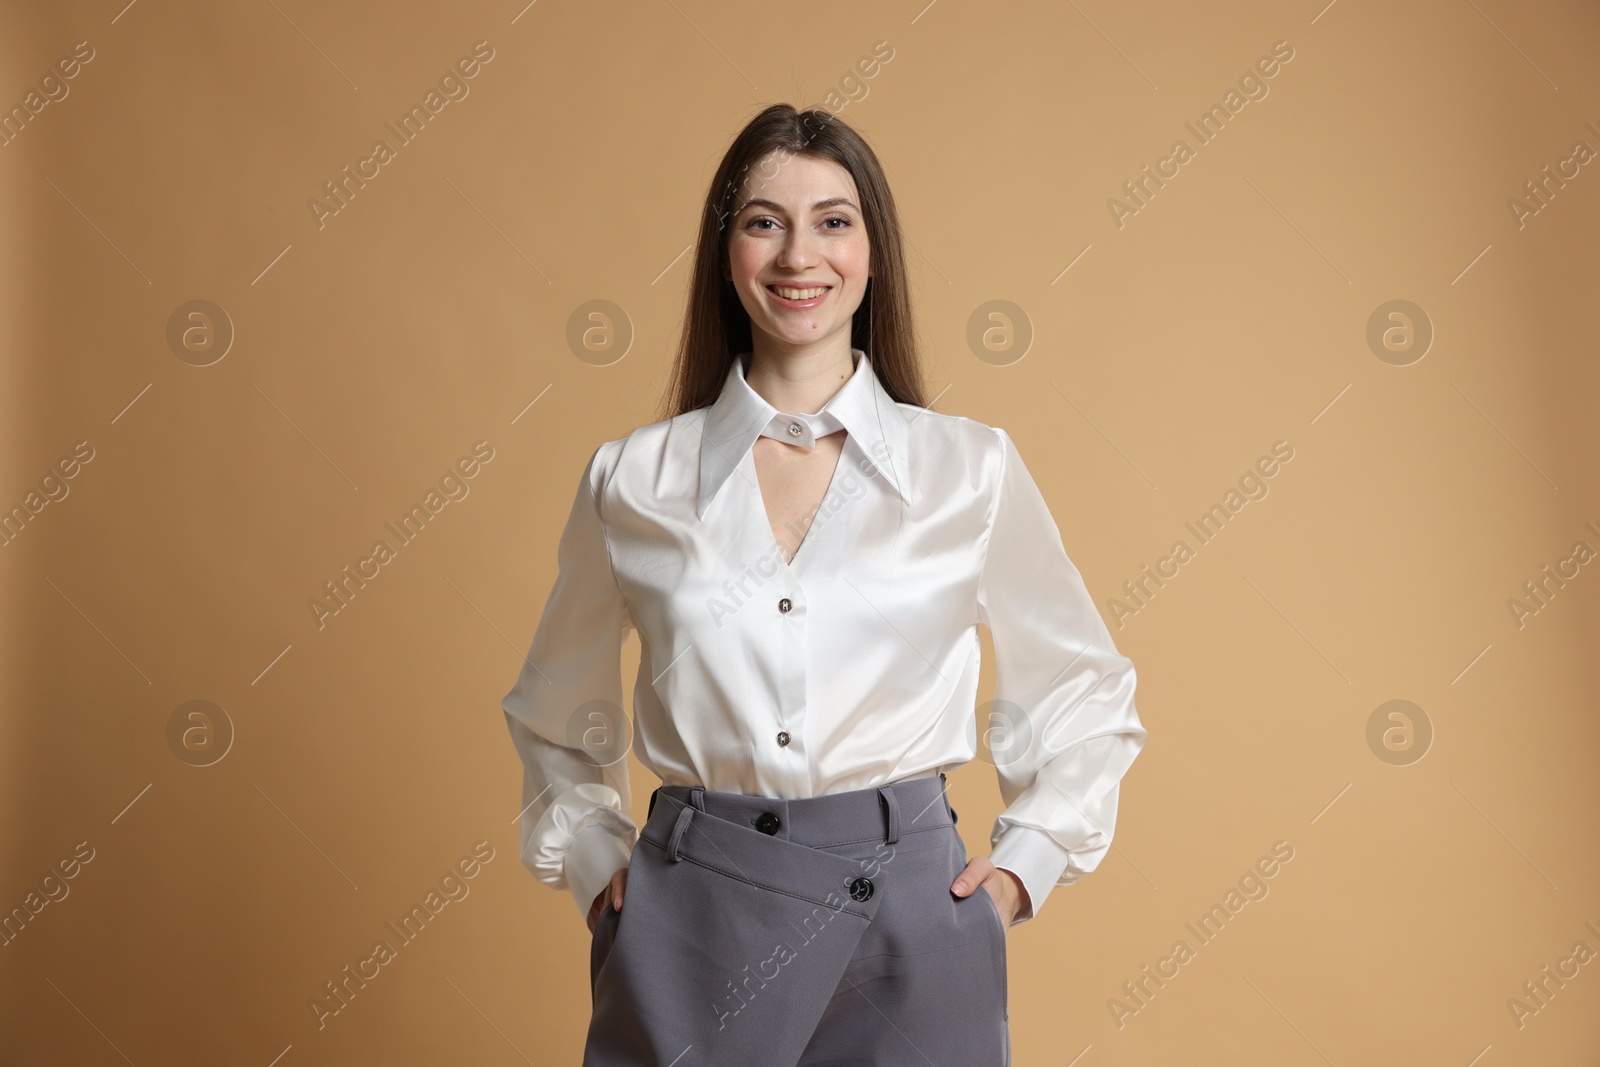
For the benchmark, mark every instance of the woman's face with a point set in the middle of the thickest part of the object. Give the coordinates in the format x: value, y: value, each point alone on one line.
x: 798, y: 226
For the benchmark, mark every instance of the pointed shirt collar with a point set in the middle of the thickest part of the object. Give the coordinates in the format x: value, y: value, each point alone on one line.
x: 861, y: 406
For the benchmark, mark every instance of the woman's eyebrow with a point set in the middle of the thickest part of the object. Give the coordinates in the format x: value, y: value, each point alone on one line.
x: 820, y: 205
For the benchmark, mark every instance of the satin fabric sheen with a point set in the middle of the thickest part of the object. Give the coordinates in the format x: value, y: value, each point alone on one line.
x: 932, y: 526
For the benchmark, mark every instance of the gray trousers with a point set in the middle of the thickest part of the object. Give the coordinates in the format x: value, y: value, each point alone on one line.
x: 821, y: 932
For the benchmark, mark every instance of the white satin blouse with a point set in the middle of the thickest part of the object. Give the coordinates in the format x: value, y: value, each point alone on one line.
x: 852, y: 665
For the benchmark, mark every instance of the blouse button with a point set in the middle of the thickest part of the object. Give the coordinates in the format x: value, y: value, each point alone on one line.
x: 795, y: 430
x: 785, y: 604
x: 783, y: 737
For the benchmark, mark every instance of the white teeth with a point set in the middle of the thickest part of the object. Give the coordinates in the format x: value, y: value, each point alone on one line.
x: 798, y: 294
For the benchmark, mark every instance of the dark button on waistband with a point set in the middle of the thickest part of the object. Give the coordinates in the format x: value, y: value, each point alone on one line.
x: 783, y: 737
x: 785, y: 604
x: 861, y: 889
x: 768, y: 823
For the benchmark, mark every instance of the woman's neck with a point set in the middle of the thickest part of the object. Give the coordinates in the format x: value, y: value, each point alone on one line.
x: 799, y: 384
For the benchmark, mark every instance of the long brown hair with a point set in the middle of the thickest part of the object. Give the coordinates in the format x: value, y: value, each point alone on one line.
x: 717, y: 327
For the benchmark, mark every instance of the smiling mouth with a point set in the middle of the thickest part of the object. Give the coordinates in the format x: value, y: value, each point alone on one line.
x: 790, y: 293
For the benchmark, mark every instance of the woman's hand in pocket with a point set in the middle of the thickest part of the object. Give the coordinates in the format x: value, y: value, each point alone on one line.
x: 1010, y: 895
x: 612, y: 892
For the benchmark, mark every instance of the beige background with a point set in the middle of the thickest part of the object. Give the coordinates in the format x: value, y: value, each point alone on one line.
x: 370, y: 754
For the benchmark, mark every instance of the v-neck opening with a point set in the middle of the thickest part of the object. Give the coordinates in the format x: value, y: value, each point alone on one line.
x: 811, y: 527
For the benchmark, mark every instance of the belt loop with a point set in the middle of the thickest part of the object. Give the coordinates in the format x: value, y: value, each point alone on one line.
x: 697, y: 796
x: 893, y: 803
x: 678, y: 829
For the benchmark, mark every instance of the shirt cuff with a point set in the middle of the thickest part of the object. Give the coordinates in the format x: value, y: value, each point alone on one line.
x: 1033, y: 856
x: 593, y: 856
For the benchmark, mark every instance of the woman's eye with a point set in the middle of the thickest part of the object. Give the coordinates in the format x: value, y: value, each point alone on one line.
x: 756, y: 223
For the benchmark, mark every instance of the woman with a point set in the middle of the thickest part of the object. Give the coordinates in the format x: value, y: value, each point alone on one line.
x: 806, y: 552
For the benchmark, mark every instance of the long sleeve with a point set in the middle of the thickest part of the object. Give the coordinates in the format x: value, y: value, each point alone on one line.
x: 566, y: 717
x: 1066, y: 729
